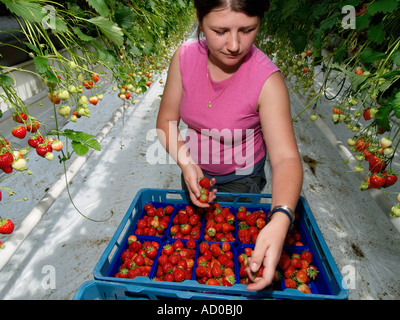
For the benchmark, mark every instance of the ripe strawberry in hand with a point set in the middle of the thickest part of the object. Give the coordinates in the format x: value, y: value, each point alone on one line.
x: 205, y: 183
x: 6, y: 226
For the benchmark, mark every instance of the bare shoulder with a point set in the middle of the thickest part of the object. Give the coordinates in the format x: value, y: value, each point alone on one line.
x: 274, y: 92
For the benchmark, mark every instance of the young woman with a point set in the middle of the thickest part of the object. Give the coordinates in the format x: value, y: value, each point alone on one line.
x: 236, y: 107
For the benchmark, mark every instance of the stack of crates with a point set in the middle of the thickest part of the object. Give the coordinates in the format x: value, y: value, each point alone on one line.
x: 328, y: 284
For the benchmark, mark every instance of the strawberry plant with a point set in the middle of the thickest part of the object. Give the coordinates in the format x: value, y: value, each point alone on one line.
x: 75, y: 48
x: 364, y: 55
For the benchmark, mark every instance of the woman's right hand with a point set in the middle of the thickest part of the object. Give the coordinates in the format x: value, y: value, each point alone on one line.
x: 192, y: 174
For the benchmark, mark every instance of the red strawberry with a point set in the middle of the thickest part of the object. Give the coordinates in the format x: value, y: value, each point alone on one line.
x: 251, y: 219
x: 216, y: 270
x: 391, y: 179
x: 295, y: 262
x: 290, y: 283
x: 32, y: 128
x: 301, y: 276
x: 244, y: 236
x: 93, y: 100
x: 6, y: 159
x: 306, y: 255
x: 95, y: 77
x: 191, y: 244
x: 19, y: 132
x: 312, y: 272
x: 377, y: 181
x: 367, y: 114
x: 376, y: 164
x: 203, y: 198
x: 304, y: 288
x: 205, y: 183
x: 43, y: 149
x: 6, y: 226
x: 20, y: 117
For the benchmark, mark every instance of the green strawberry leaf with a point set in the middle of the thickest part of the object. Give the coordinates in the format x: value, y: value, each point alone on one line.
x: 376, y: 33
x: 100, y: 6
x: 79, y: 148
x: 125, y: 17
x: 110, y: 29
x: 81, y: 35
x: 369, y: 55
x: 382, y: 6
x: 5, y: 81
x: 41, y: 64
x: 27, y: 10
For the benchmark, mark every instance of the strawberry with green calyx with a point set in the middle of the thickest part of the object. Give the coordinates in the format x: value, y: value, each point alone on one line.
x: 94, y: 100
x: 19, y: 132
x: 312, y: 272
x: 386, y: 142
x: 6, y: 226
x: 390, y: 179
x: 2, y: 246
x: 203, y: 198
x: 376, y: 164
x: 6, y: 160
x: 377, y: 180
x: 19, y: 117
x: 205, y: 183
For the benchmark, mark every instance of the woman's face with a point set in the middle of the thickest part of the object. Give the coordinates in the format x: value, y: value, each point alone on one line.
x: 229, y: 36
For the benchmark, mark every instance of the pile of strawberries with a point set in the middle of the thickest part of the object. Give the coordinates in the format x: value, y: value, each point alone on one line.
x: 219, y: 224
x: 187, y: 223
x: 298, y: 270
x: 176, y: 261
x: 250, y: 224
x: 138, y: 259
x: 215, y: 265
x: 154, y: 221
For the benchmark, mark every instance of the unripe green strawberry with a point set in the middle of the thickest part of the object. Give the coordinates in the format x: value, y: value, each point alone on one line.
x: 63, y: 95
x: 83, y: 101
x: 49, y: 156
x: 64, y: 111
x: 19, y: 164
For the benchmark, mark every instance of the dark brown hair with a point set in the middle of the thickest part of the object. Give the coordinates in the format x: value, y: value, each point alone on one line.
x: 251, y: 7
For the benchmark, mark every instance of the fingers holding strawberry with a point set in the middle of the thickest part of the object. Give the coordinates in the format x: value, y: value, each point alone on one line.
x: 200, y: 196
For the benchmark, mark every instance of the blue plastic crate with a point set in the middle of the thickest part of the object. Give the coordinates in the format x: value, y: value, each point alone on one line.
x: 315, y: 242
x: 103, y: 290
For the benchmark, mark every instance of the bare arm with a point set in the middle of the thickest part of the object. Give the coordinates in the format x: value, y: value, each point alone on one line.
x: 287, y: 175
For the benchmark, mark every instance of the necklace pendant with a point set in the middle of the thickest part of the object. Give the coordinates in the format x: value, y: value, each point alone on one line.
x: 209, y: 105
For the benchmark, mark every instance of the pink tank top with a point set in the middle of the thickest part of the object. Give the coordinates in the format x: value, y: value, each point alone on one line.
x: 227, y: 137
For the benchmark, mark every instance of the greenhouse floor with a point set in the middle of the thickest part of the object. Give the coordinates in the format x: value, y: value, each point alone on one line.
x: 54, y: 248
